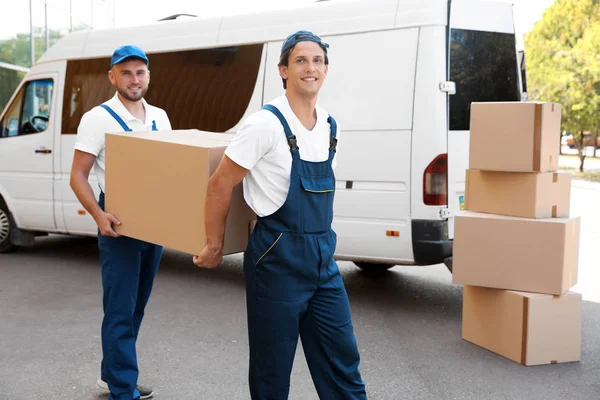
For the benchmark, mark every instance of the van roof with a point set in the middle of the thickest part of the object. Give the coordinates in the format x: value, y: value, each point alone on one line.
x: 324, y: 17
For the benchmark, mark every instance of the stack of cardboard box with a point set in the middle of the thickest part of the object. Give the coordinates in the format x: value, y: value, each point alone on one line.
x: 516, y: 248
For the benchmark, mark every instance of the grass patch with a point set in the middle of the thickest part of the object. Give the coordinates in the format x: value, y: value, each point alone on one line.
x: 574, y: 157
x: 591, y: 167
x: 592, y: 176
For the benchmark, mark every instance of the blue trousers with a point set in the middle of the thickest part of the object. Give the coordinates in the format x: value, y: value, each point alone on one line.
x: 293, y: 292
x: 128, y: 270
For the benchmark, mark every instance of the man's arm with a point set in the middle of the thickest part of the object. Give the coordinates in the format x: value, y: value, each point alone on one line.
x: 80, y: 172
x: 218, y: 198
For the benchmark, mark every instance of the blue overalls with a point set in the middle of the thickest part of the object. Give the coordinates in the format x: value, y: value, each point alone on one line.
x: 128, y: 270
x: 294, y: 287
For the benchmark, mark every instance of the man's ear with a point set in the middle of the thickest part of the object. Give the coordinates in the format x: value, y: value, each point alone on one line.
x: 283, y: 71
x: 111, y: 77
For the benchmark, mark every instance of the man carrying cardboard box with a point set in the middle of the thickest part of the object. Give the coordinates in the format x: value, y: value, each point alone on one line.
x: 285, y: 154
x: 128, y: 265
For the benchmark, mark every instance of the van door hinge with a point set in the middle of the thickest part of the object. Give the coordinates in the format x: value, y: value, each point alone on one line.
x: 448, y: 87
x: 445, y: 213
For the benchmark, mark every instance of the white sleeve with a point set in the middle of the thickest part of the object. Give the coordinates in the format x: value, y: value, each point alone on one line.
x: 252, y: 141
x: 90, y: 134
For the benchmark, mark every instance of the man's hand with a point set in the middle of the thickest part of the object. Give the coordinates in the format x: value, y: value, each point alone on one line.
x: 218, y: 200
x: 105, y: 223
x: 210, y: 257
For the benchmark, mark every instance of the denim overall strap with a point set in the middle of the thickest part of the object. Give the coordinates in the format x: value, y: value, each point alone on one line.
x: 116, y: 117
x: 333, y: 137
x: 287, y: 218
x: 291, y: 138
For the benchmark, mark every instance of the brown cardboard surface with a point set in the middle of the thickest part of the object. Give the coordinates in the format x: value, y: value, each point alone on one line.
x: 156, y: 186
x: 532, y: 255
x: 528, y: 328
x: 519, y: 194
x: 515, y: 136
x: 491, y: 324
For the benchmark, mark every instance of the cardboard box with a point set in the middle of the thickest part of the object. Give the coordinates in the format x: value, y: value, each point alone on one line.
x: 528, y: 328
x: 156, y: 186
x: 519, y: 194
x: 515, y: 136
x: 530, y: 255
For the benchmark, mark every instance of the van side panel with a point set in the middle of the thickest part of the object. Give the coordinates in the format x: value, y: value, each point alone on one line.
x: 324, y: 18
x: 421, y: 13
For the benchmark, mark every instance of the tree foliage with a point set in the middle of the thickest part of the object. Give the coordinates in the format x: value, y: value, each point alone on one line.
x: 563, y: 65
x: 17, y: 51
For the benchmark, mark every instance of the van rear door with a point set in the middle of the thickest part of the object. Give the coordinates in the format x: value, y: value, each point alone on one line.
x: 483, y: 65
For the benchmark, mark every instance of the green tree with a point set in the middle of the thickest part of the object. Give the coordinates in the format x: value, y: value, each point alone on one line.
x: 563, y: 65
x: 17, y: 51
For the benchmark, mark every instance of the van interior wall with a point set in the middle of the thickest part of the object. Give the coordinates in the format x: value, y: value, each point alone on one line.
x: 207, y: 89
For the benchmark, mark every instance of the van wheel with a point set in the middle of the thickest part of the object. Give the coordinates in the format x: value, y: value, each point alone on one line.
x: 372, y: 267
x: 5, y: 227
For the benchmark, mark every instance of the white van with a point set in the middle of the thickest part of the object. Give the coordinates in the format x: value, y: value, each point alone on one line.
x: 402, y: 76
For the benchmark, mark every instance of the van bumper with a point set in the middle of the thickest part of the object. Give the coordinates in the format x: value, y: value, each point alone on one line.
x: 430, y: 241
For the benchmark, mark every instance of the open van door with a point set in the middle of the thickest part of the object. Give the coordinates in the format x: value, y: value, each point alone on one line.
x: 26, y: 153
x: 482, y: 63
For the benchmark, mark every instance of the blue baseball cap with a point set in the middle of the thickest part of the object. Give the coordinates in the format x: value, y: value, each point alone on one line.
x: 302, y: 36
x: 126, y: 52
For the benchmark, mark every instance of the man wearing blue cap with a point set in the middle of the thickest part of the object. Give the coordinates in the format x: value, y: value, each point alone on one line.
x: 128, y: 265
x: 285, y: 155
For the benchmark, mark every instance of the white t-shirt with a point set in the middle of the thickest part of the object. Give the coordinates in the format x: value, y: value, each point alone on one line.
x: 261, y: 147
x: 97, y: 122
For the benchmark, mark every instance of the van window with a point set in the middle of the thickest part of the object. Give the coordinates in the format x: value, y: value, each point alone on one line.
x: 10, y: 80
x: 30, y: 110
x: 206, y: 89
x: 484, y: 67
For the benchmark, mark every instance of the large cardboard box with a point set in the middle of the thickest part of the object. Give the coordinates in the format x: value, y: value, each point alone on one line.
x: 519, y: 194
x: 515, y: 136
x: 528, y: 328
x: 156, y: 186
x: 531, y: 255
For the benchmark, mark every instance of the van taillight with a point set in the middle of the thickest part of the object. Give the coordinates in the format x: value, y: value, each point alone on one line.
x: 435, y: 182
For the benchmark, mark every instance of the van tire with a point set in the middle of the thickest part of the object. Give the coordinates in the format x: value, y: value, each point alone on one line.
x: 6, y: 225
x: 372, y: 267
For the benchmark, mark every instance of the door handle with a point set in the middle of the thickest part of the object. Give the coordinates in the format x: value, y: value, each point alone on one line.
x: 43, y: 151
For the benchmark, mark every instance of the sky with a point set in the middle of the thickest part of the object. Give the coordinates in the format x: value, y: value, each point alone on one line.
x: 107, y: 13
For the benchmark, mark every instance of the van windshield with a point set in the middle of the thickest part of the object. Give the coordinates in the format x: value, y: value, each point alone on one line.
x: 483, y: 65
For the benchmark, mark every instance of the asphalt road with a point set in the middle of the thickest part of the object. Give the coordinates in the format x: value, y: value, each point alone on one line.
x: 193, y: 343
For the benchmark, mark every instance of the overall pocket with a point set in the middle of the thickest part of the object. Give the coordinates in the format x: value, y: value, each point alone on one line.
x: 275, y: 267
x: 318, y: 195
x: 269, y: 249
